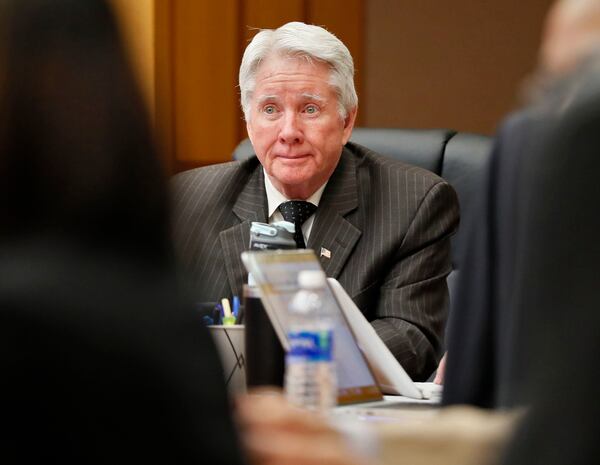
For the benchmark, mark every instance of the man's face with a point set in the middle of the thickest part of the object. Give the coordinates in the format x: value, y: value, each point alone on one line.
x: 294, y: 124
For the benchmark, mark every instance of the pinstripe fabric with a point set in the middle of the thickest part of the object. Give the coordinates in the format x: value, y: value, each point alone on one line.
x: 387, y: 225
x: 213, y: 209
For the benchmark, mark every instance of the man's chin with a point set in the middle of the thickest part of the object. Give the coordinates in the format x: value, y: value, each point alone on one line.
x: 292, y: 175
x: 291, y: 180
x: 292, y: 186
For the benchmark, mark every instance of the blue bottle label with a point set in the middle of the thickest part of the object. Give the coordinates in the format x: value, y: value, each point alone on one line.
x: 312, y: 346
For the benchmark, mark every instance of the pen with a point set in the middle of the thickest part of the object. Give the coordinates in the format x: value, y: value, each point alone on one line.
x: 236, y: 305
x: 218, y: 314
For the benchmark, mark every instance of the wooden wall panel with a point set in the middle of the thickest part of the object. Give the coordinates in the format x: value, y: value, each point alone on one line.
x: 205, y: 62
x: 163, y: 88
x: 269, y: 14
x: 136, y: 20
x: 459, y: 65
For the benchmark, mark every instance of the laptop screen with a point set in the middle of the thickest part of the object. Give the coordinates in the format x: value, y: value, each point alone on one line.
x: 276, y: 275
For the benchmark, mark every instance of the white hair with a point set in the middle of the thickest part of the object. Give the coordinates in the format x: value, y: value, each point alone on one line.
x: 300, y: 40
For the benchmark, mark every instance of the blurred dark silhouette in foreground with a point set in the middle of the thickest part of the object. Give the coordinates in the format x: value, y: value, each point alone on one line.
x: 103, y: 360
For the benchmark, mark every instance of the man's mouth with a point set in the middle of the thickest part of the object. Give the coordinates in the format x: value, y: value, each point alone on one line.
x: 292, y: 156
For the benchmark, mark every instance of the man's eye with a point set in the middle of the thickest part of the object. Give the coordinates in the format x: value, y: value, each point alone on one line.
x: 311, y: 109
x: 269, y: 109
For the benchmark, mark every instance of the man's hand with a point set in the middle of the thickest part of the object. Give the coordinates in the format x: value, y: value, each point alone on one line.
x: 275, y: 433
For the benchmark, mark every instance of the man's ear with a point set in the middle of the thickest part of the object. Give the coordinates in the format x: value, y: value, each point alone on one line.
x: 349, y: 124
x: 249, y: 129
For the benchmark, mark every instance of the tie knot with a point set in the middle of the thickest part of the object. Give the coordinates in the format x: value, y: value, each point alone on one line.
x: 297, y: 211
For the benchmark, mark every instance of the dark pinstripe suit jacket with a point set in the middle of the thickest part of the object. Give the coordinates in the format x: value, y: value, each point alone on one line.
x: 387, y: 225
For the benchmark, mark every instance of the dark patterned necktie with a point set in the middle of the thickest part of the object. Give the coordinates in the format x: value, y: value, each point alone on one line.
x: 297, y: 212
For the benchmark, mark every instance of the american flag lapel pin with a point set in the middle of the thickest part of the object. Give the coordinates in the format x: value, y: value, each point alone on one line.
x: 325, y: 252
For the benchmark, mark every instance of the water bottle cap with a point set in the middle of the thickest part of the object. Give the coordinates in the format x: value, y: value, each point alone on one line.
x: 311, y: 279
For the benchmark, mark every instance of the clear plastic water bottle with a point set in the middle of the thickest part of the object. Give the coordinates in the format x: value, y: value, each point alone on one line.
x: 310, y: 376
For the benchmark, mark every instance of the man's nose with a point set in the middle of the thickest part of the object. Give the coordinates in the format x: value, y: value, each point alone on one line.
x: 291, y: 131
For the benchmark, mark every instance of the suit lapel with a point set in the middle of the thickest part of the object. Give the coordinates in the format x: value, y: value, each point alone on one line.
x: 332, y: 234
x: 249, y: 206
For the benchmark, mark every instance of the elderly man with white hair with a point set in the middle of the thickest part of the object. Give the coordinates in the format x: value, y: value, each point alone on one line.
x: 381, y: 227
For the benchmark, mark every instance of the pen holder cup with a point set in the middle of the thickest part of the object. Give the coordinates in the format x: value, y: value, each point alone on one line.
x: 264, y: 353
x: 229, y: 340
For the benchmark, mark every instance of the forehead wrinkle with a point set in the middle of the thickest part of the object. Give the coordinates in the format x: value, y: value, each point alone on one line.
x: 266, y: 97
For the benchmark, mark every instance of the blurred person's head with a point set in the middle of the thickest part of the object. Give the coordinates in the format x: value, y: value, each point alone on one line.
x: 572, y: 33
x: 76, y: 156
x: 298, y: 97
x: 570, y: 49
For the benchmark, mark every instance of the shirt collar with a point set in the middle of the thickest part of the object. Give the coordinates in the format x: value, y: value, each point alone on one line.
x: 276, y: 198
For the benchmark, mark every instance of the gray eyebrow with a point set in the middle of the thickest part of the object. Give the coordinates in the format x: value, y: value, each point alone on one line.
x: 306, y: 95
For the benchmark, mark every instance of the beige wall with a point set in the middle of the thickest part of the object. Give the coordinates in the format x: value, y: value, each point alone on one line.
x: 137, y: 26
x: 458, y: 64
